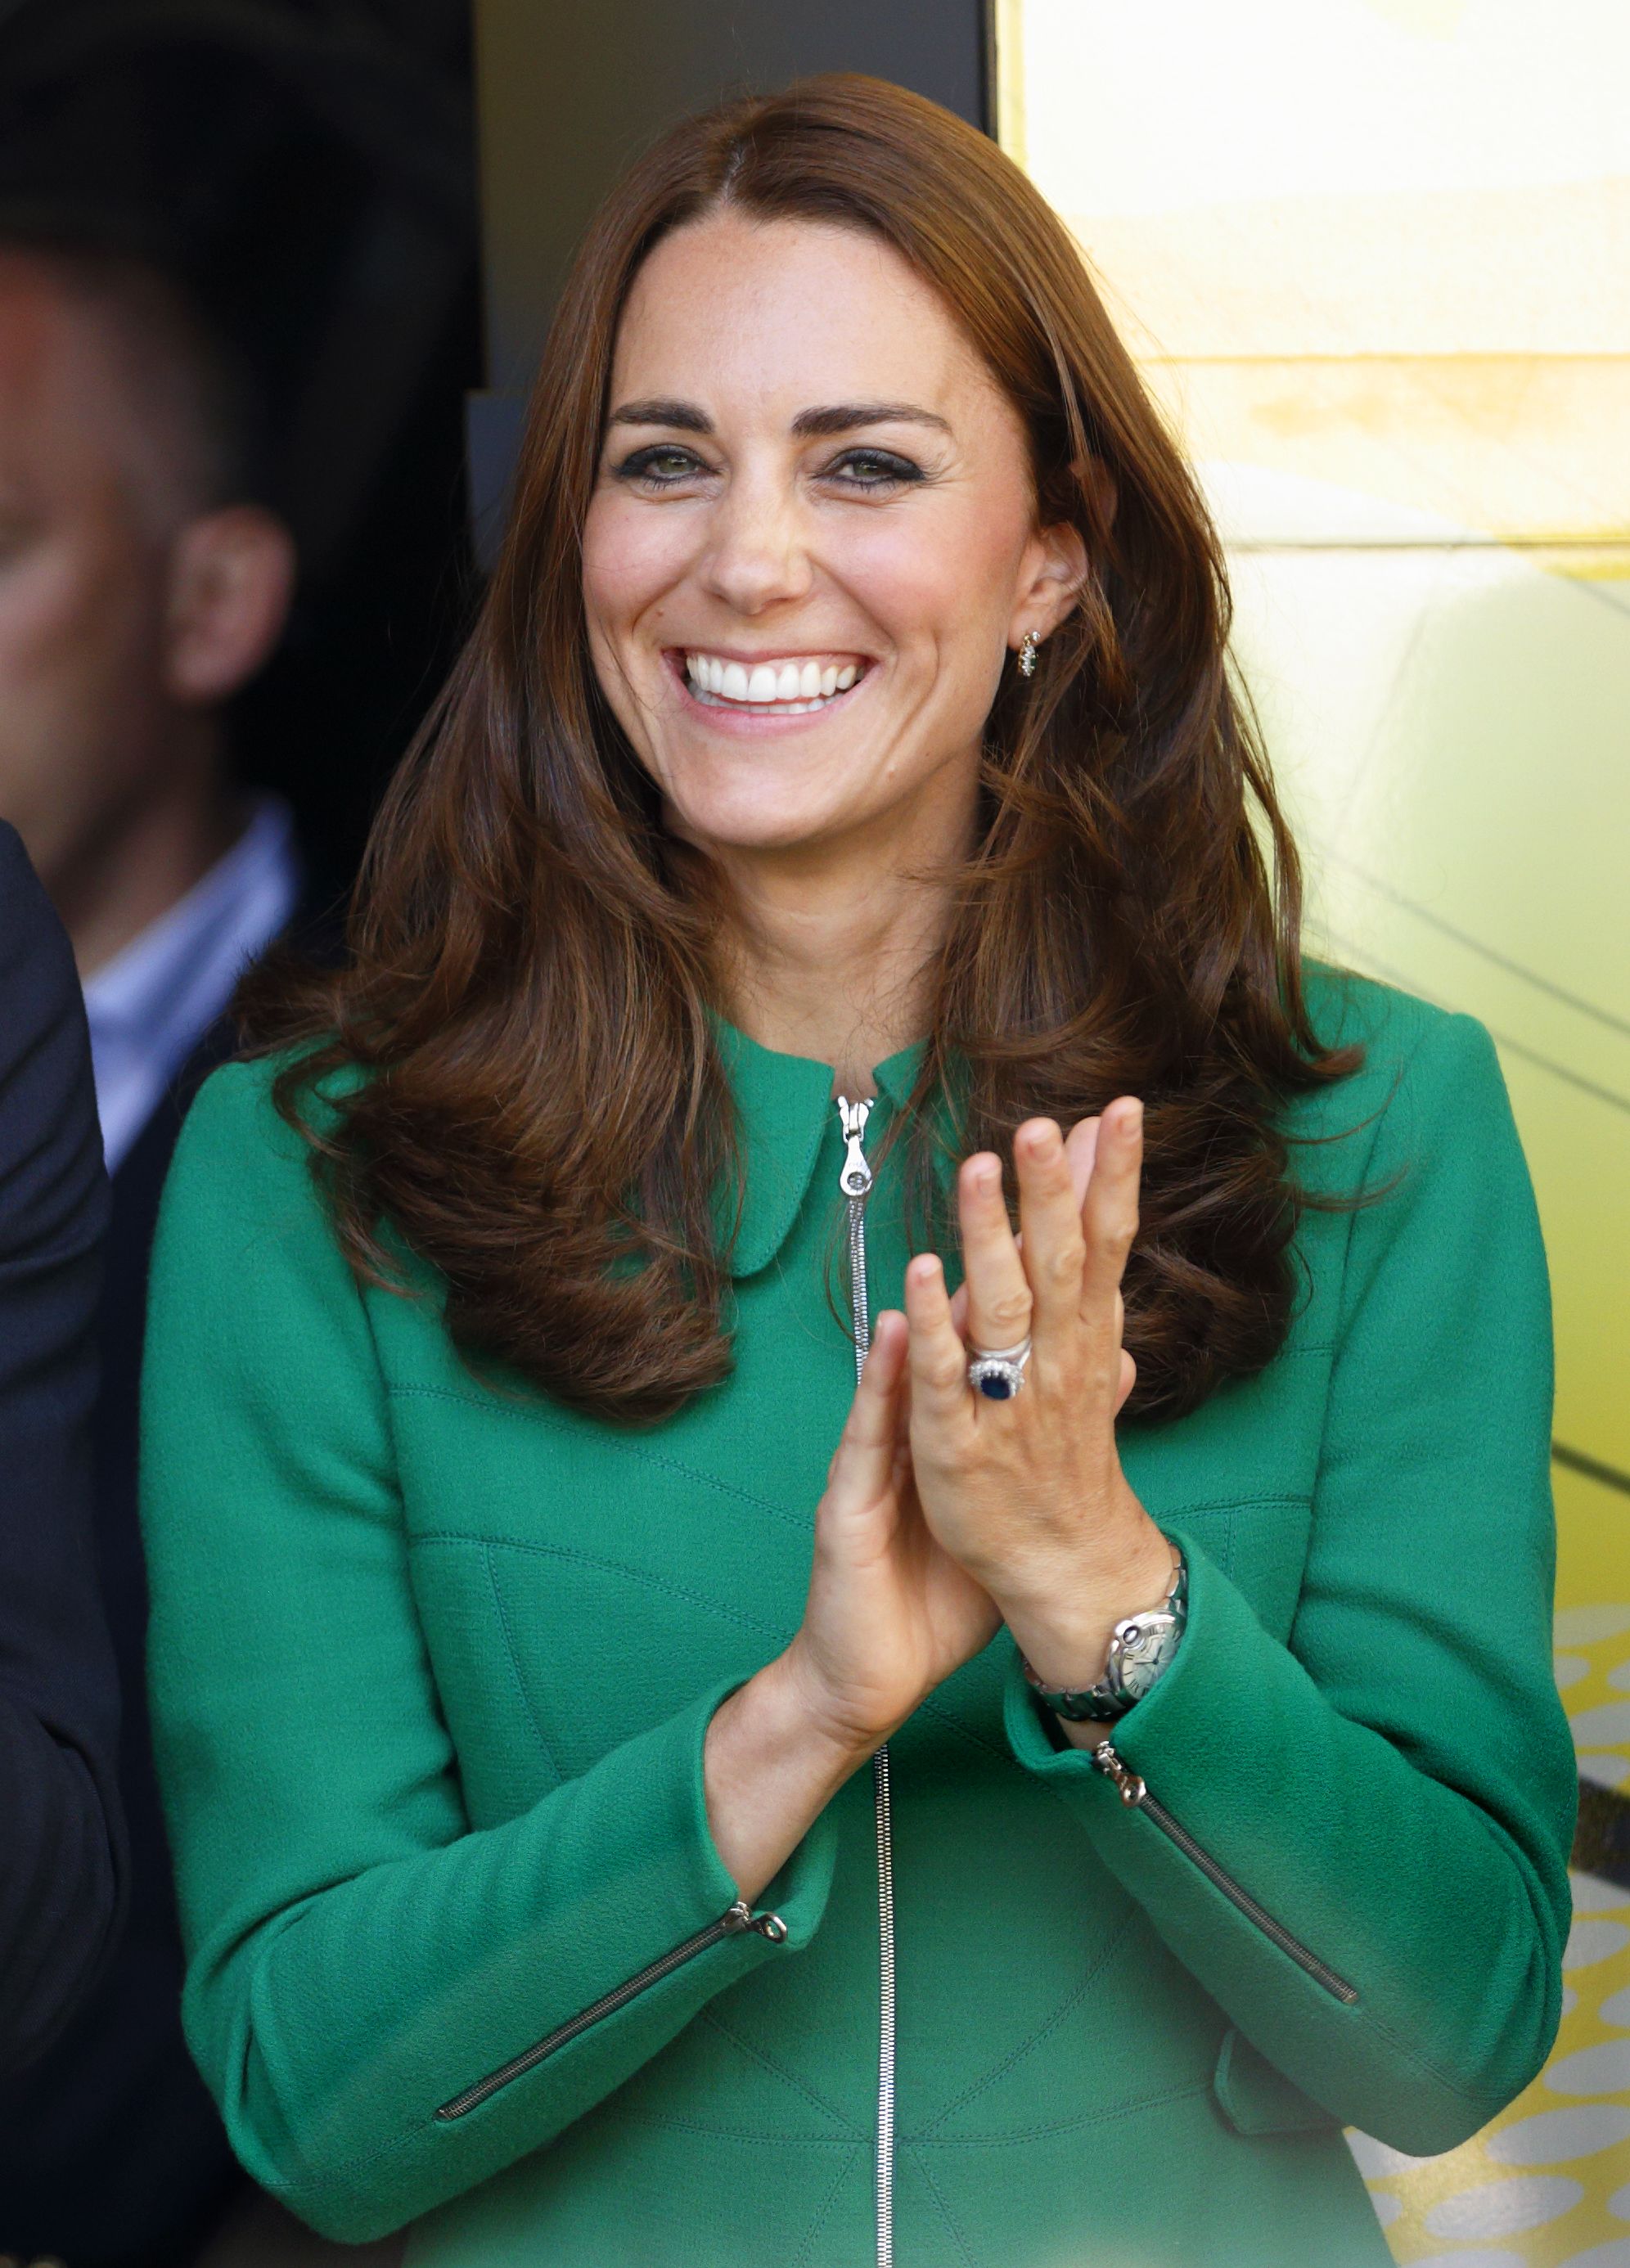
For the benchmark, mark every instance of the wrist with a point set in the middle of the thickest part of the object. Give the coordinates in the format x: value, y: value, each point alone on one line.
x: 829, y: 1724
x: 1064, y: 1633
x: 1142, y: 1648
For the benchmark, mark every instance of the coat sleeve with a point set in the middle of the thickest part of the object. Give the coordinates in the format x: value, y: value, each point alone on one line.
x: 1393, y: 1790
x: 60, y: 1844
x: 358, y: 1957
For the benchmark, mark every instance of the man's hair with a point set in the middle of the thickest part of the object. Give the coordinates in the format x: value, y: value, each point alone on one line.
x: 193, y: 403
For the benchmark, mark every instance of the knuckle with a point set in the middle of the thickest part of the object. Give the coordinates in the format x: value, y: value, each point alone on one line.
x: 1012, y: 1310
x: 1063, y: 1263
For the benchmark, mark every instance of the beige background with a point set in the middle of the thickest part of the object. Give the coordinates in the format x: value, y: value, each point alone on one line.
x: 1374, y: 256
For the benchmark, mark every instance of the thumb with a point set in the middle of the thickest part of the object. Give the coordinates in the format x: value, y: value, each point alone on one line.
x: 862, y: 1466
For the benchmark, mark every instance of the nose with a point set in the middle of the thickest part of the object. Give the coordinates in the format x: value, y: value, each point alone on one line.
x: 758, y: 555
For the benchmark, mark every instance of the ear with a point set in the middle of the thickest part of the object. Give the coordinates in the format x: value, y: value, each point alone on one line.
x: 1050, y: 581
x: 230, y: 580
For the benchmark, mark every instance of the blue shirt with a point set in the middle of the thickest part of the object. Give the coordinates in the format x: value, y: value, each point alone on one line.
x: 151, y: 1005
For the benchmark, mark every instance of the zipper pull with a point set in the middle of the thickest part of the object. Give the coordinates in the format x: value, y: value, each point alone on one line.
x: 856, y: 1178
x: 740, y: 1917
x: 1132, y: 1790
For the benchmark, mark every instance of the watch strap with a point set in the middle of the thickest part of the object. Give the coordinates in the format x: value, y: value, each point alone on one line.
x: 1140, y: 1647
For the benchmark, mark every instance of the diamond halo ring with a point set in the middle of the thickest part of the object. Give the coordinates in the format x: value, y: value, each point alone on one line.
x: 998, y: 1372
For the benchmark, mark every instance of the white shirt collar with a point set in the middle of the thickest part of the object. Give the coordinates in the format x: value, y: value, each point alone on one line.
x: 151, y: 1005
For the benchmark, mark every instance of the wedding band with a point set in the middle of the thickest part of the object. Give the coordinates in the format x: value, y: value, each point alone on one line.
x: 998, y: 1372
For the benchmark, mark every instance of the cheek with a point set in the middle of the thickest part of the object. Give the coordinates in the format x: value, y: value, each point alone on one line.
x: 941, y: 579
x: 79, y: 689
x: 70, y: 622
x: 630, y: 557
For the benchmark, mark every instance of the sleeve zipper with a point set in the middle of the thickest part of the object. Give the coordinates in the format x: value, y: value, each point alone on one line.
x: 735, y: 1919
x: 1136, y: 1796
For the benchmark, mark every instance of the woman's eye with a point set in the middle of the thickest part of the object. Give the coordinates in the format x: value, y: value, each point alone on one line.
x: 663, y: 465
x: 872, y: 469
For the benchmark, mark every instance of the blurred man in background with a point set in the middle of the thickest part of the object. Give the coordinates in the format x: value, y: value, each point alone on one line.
x: 240, y: 314
x: 62, y: 1859
x: 141, y: 586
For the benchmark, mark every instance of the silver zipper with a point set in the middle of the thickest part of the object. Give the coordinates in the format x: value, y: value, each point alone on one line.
x: 1135, y: 1795
x: 856, y: 1182
x: 731, y: 1923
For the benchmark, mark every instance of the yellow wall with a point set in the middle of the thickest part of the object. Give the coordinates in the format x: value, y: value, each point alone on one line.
x: 1374, y: 258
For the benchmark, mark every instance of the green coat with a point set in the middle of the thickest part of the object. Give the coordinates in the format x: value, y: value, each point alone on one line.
x: 431, y: 1668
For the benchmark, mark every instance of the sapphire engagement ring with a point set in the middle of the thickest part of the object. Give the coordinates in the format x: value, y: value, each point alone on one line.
x: 998, y: 1372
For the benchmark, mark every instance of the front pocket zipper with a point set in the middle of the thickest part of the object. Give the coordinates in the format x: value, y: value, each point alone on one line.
x: 738, y: 1918
x: 1137, y: 1797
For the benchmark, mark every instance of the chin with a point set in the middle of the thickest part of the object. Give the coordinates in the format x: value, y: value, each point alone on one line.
x: 752, y: 811
x: 737, y: 830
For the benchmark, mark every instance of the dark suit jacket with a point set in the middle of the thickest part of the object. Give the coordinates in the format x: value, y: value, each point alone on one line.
x: 62, y: 1859
x: 112, y: 2153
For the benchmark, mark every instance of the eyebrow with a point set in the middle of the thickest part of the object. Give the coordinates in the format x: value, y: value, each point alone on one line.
x: 838, y: 417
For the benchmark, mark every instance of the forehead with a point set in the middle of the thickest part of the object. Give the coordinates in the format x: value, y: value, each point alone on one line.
x: 730, y: 311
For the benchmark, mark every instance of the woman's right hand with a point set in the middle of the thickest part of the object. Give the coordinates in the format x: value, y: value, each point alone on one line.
x: 888, y: 1615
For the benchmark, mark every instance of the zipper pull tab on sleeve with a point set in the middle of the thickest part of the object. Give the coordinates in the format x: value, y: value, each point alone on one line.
x: 1113, y: 1766
x: 740, y: 1917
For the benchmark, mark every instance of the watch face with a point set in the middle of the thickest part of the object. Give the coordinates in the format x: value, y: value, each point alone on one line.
x: 1144, y: 1646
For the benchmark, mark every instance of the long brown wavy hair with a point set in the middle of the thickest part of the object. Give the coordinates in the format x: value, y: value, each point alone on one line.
x: 530, y: 1093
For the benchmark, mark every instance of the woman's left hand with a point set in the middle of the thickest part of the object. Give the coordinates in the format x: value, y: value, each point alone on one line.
x: 1028, y: 1493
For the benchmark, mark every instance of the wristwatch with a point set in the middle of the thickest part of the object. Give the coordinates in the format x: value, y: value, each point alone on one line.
x: 1141, y: 1647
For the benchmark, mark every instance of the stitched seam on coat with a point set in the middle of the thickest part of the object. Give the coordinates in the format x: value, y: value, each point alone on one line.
x: 1048, y: 2023
x: 951, y: 2222
x: 1103, y: 2117
x: 1237, y: 1502
x: 606, y: 1568
x: 450, y: 1394
x: 1497, y: 2096
x: 799, y: 1520
x: 825, y: 2212
x: 1005, y: 1756
x: 325, y: 2171
x: 1230, y: 1526
x: 769, y: 2063
x: 670, y: 2119
x: 513, y: 1660
x: 631, y: 1449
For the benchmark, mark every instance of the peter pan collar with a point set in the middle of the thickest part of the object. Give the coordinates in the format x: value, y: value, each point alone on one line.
x: 783, y: 1109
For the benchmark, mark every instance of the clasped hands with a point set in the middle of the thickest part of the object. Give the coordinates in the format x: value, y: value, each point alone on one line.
x: 946, y: 1514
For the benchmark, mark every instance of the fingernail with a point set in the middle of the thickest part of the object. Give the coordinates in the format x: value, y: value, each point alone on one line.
x: 986, y: 1175
x: 1133, y: 1121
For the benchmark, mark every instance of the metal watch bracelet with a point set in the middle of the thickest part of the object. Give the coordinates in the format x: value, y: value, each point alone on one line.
x: 1141, y: 1647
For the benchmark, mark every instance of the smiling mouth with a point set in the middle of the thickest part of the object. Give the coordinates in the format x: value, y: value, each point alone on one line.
x: 790, y: 685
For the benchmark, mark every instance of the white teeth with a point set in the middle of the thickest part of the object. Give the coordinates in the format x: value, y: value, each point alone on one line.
x: 794, y: 687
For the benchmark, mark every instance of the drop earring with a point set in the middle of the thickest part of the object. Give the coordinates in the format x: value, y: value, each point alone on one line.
x: 1028, y: 645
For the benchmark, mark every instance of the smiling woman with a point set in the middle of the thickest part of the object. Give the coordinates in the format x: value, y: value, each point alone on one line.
x: 658, y: 1684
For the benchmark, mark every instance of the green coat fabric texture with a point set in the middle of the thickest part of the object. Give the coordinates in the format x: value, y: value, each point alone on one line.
x: 432, y: 1664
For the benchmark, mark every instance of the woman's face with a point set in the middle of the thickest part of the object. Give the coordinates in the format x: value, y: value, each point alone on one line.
x: 812, y: 543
